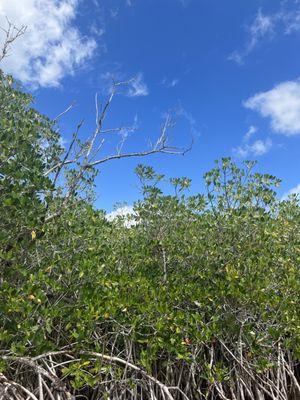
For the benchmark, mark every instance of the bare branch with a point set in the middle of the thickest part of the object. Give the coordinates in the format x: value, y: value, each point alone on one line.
x: 56, y: 383
x: 87, y: 157
x: 67, y: 152
x: 165, y: 150
x: 64, y: 112
x: 111, y: 359
x: 5, y: 382
x: 128, y: 364
x: 12, y: 33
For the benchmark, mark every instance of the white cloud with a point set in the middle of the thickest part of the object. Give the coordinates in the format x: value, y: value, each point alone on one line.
x: 293, y: 191
x: 291, y: 21
x: 137, y: 87
x: 260, y: 147
x: 130, y: 87
x: 257, y: 148
x: 52, y: 47
x: 126, y: 213
x: 282, y: 105
x: 120, y: 212
x: 97, y: 30
x: 181, y: 112
x: 250, y: 132
x: 169, y: 83
x: 284, y: 22
x: 174, y: 82
x: 114, y: 13
x: 261, y: 26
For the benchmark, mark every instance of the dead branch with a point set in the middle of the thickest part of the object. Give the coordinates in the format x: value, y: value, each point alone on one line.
x: 55, y: 381
x: 59, y: 385
x: 14, y: 385
x: 86, y: 158
x: 11, y: 34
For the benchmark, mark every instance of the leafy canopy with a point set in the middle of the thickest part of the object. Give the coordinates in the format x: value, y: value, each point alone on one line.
x: 202, y: 286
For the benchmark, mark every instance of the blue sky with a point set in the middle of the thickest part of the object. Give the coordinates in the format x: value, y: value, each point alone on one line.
x: 228, y: 71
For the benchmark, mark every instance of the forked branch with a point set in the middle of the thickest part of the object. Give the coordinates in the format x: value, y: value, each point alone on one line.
x: 11, y: 34
x: 83, y: 157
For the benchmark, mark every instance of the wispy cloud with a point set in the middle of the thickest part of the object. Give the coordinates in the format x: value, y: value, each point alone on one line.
x: 184, y: 3
x: 188, y: 116
x: 52, y: 48
x: 137, y: 87
x: 293, y: 191
x: 257, y: 148
x: 282, y: 105
x: 97, y: 30
x: 114, y: 13
x: 263, y: 26
x: 250, y: 132
x: 130, y: 87
x: 169, y: 83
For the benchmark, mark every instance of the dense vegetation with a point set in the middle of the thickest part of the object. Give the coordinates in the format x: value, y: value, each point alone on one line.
x: 191, y: 297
